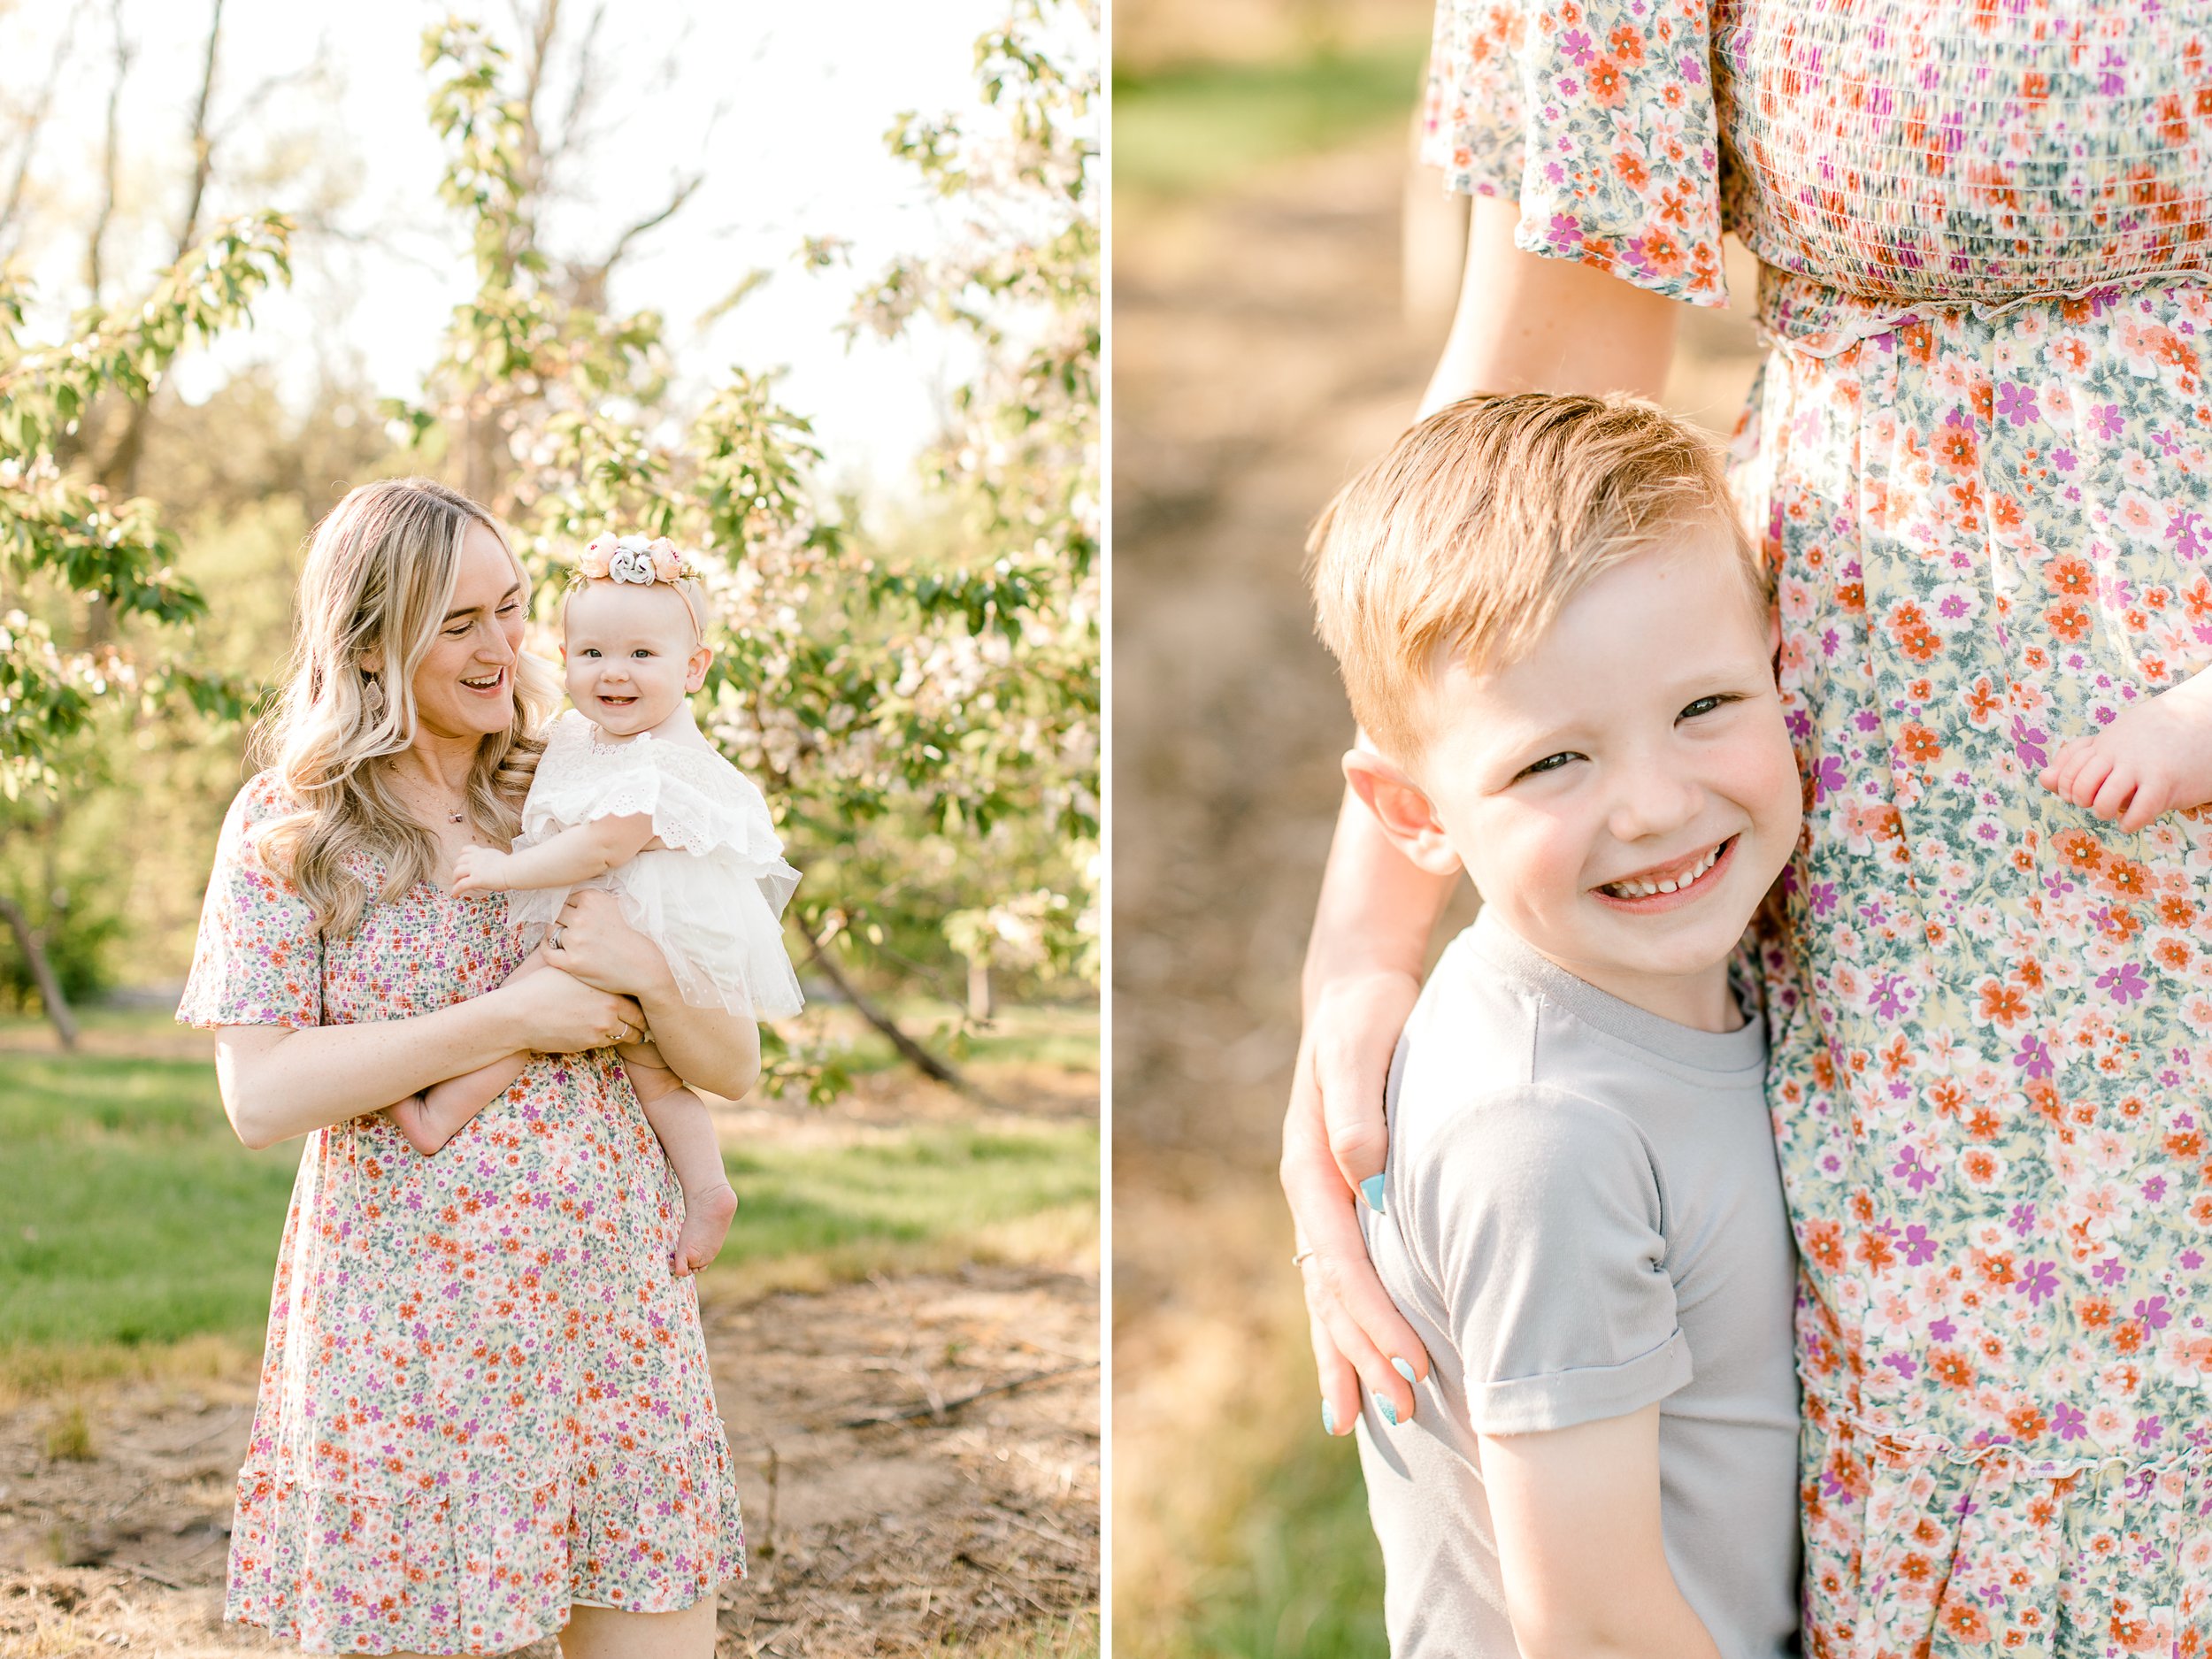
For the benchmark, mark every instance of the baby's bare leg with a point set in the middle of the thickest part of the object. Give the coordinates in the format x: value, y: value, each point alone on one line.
x: 435, y: 1115
x: 685, y: 1129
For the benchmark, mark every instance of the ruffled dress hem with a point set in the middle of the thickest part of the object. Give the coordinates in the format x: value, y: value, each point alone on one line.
x: 434, y: 1586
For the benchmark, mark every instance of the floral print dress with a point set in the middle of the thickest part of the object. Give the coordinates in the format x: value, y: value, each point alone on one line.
x: 1980, y: 454
x: 483, y: 1397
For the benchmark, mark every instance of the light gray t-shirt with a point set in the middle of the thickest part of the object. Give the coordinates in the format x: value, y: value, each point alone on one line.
x: 1583, y: 1214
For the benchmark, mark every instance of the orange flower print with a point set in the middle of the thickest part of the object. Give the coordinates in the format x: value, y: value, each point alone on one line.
x: 2068, y: 621
x: 1606, y: 84
x: 1950, y: 1368
x: 1920, y: 746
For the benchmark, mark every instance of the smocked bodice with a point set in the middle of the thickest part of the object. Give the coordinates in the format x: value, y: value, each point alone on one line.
x: 1932, y: 150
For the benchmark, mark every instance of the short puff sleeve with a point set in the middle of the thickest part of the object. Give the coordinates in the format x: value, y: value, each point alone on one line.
x: 259, y: 960
x: 1546, y: 1218
x: 1597, y: 117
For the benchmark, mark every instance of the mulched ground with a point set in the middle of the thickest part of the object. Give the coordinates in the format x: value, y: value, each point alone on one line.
x: 868, y: 1537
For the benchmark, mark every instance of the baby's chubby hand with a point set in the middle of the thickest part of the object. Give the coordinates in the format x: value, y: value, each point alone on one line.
x: 479, y: 869
x: 2156, y: 757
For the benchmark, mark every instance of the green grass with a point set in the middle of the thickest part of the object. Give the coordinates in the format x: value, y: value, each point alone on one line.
x: 1198, y: 126
x: 130, y: 1213
x: 1302, y: 1574
x: 131, y: 1217
x: 914, y: 1188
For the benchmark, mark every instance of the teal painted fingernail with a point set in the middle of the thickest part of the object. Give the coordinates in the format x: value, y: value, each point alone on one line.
x: 1389, y: 1412
x: 1328, y: 1418
x: 1370, y: 1189
x: 1405, y: 1368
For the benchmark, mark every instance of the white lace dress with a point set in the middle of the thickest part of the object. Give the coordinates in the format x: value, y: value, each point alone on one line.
x: 712, y: 900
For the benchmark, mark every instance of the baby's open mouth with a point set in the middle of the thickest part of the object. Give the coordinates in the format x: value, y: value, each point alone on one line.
x: 1664, y: 879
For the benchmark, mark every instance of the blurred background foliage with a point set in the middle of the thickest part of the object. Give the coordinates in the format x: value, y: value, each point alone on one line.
x: 910, y: 673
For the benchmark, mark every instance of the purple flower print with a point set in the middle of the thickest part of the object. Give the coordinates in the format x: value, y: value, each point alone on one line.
x: 2016, y: 402
x: 2191, y: 1259
x: 2152, y: 1313
x: 1828, y: 778
x: 1575, y: 46
x: 1919, y: 1248
x: 1824, y: 897
x: 2023, y: 1220
x: 1565, y: 228
x: 2028, y: 741
x: 2033, y: 1057
x: 2154, y: 1188
x: 1915, y: 1175
x: 2105, y: 422
x: 2147, y: 1430
x: 1942, y: 1330
x: 1891, y: 997
x: 2040, y: 1281
x: 2125, y: 982
x: 2108, y: 1272
x: 2065, y: 460
x: 2186, y: 531
x: 2069, y: 1421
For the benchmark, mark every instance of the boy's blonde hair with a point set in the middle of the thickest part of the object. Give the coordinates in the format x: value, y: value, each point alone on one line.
x: 1465, y: 539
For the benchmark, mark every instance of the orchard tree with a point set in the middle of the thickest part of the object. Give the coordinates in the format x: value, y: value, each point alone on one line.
x: 925, y: 730
x: 72, y: 551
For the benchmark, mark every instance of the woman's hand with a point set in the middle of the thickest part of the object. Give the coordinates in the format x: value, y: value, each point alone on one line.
x: 710, y: 1048
x: 592, y: 943
x: 1334, y: 1137
x: 556, y: 1013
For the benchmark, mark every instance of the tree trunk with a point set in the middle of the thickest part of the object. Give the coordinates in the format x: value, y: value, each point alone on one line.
x: 42, y: 971
x: 980, y: 1007
x: 920, y: 1057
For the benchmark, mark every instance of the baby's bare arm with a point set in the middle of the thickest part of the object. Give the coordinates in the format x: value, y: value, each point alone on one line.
x: 574, y: 856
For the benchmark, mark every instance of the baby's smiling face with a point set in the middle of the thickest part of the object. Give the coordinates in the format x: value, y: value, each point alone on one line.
x: 630, y: 655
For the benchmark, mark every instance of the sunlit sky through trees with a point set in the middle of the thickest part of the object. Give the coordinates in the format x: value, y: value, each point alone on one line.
x: 782, y: 107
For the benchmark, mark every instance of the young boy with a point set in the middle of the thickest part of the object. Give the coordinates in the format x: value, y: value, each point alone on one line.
x: 1557, y: 639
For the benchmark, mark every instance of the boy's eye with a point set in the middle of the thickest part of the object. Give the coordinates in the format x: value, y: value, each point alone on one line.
x: 1550, y: 763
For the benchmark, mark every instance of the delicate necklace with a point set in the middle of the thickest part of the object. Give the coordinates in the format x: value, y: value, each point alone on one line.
x: 450, y: 818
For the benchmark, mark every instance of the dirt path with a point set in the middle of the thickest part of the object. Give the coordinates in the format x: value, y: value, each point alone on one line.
x: 884, y: 1538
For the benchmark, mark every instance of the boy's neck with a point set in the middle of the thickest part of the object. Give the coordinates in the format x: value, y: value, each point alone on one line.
x: 1702, y: 999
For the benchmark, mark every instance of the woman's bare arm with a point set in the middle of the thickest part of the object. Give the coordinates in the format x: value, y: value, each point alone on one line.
x: 1523, y: 323
x: 277, y: 1082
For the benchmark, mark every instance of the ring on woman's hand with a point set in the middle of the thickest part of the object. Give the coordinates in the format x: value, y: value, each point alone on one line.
x: 1303, y: 1258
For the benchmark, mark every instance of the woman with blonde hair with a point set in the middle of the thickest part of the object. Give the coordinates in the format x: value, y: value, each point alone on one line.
x: 486, y: 1412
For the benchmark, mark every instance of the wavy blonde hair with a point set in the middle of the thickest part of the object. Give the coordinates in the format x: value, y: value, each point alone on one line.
x: 380, y: 574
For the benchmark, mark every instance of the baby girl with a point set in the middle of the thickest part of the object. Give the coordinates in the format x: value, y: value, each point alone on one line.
x: 629, y: 796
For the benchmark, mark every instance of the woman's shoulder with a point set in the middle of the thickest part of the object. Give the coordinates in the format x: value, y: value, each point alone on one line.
x: 263, y: 799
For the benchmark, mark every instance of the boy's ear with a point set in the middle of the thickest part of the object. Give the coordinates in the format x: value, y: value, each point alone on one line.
x: 1403, y: 809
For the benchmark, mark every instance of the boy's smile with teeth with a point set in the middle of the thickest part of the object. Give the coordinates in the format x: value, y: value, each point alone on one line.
x: 1671, y: 878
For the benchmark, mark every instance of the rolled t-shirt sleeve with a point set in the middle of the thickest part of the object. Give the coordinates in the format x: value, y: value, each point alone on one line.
x: 1544, y: 1211
x: 259, y: 960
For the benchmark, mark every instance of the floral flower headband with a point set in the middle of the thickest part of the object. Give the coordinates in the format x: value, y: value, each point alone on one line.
x: 634, y: 559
